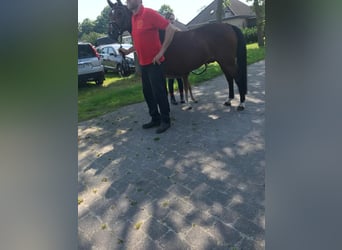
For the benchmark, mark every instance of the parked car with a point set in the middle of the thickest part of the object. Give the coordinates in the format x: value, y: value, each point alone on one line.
x: 89, y: 64
x: 114, y: 61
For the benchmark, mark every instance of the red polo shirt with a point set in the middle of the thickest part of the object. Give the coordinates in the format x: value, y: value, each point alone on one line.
x: 146, y: 24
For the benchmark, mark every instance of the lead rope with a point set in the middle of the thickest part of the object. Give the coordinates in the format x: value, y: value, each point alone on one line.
x: 200, y: 73
x: 124, y: 63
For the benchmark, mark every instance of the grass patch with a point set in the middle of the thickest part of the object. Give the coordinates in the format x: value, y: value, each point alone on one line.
x: 79, y: 201
x: 138, y: 225
x: 165, y: 204
x: 116, y: 92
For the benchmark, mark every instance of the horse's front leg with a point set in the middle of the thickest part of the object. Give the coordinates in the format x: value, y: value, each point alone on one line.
x: 186, y: 89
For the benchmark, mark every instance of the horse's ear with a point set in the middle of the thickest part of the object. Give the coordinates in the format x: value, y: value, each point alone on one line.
x: 110, y: 4
x: 119, y: 2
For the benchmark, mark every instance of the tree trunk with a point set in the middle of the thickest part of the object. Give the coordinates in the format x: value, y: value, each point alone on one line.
x: 259, y: 23
x: 219, y: 11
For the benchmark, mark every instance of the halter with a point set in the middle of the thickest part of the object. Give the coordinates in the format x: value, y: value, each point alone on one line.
x: 120, y: 24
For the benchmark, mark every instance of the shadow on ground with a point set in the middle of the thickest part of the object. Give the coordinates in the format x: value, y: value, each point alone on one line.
x: 199, y: 185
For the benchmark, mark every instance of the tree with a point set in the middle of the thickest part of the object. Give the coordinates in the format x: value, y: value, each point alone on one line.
x: 165, y: 9
x: 87, y: 26
x: 221, y: 5
x: 101, y: 22
x: 259, y: 9
x: 90, y: 37
x: 79, y: 30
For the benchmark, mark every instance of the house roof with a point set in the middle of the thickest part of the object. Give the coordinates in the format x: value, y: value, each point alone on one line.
x: 208, y: 14
x: 180, y: 25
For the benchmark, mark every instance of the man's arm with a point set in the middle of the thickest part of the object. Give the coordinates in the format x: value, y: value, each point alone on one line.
x: 169, y: 33
x: 127, y: 51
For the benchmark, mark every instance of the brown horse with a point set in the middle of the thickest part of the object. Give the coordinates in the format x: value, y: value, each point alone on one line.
x: 190, y: 49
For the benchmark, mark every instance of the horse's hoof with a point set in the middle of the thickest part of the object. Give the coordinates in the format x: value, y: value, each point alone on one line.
x: 227, y: 104
x: 187, y: 107
x: 240, y: 108
x: 195, y: 101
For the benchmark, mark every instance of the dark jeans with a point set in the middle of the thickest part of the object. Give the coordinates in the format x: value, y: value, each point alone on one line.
x: 155, y: 93
x: 180, y: 85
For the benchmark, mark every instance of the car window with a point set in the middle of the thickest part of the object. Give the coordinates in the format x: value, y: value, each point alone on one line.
x: 111, y: 50
x: 104, y: 50
x: 85, y: 51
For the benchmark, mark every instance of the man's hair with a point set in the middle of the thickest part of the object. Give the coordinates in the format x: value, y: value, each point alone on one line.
x: 168, y: 15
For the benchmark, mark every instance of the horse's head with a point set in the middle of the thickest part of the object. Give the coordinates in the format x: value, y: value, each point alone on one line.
x: 119, y: 19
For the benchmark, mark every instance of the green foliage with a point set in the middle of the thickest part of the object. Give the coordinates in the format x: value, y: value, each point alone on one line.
x: 251, y: 35
x: 88, y: 29
x: 165, y: 9
x: 87, y: 26
x: 101, y: 22
x: 226, y: 3
x: 91, y: 37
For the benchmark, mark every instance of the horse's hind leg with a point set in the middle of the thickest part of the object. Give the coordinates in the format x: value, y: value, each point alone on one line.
x: 186, y: 79
x: 230, y: 81
x: 242, y: 96
x: 228, y: 73
x: 186, y: 90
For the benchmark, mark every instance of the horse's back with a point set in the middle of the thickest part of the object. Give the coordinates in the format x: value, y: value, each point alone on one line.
x: 193, y: 48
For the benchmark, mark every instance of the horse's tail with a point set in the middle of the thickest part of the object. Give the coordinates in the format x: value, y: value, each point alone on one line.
x: 241, y: 60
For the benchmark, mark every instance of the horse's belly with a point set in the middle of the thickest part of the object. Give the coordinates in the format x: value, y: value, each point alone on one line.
x: 179, y: 66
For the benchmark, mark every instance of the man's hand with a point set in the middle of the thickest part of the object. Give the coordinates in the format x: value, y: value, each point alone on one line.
x: 156, y: 59
x: 123, y: 51
x: 169, y: 33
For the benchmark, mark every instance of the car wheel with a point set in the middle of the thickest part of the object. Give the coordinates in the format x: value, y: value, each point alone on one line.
x: 120, y: 70
x: 125, y: 68
x: 99, y: 81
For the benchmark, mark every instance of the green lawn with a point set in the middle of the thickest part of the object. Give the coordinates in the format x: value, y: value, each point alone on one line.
x: 116, y: 92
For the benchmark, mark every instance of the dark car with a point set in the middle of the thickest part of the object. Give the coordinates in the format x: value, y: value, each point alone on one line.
x: 89, y: 64
x: 114, y: 61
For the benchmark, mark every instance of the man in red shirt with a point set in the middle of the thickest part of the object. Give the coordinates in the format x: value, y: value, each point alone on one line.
x: 146, y: 24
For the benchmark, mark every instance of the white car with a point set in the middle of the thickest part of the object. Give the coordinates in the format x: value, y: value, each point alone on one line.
x: 113, y: 60
x: 89, y: 64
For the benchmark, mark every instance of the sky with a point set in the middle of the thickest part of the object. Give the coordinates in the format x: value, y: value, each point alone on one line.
x: 184, y: 10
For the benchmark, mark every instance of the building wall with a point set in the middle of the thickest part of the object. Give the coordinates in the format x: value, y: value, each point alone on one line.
x: 239, y: 22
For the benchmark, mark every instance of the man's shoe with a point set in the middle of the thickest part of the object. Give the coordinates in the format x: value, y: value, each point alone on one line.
x: 173, y: 100
x: 182, y: 98
x: 151, y: 124
x: 163, y: 127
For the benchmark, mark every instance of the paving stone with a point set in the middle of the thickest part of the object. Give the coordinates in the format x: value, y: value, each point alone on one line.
x: 252, y: 245
x: 171, y: 241
x: 147, y: 244
x: 181, y: 206
x: 154, y: 228
x: 224, y: 214
x: 89, y: 224
x: 219, y: 197
x: 199, y: 239
x: 249, y: 228
x: 248, y: 211
x: 223, y: 234
x: 179, y: 190
x: 104, y: 239
x: 177, y: 222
